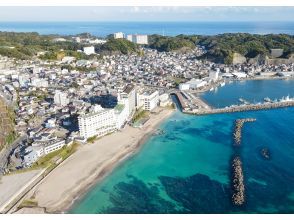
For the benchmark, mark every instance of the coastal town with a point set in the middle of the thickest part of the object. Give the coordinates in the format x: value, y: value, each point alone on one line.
x: 60, y: 104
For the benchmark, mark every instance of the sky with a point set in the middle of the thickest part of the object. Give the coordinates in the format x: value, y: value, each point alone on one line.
x: 155, y: 13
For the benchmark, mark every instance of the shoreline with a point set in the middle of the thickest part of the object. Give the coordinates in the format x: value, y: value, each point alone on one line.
x: 66, y: 196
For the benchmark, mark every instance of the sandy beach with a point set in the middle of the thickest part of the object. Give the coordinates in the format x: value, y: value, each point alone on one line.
x: 57, y: 192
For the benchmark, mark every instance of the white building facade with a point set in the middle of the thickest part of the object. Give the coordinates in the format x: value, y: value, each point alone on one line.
x: 128, y: 97
x: 140, y: 39
x: 98, y: 122
x: 148, y: 100
x: 40, y: 149
x: 118, y: 35
x: 60, y: 98
x: 89, y: 50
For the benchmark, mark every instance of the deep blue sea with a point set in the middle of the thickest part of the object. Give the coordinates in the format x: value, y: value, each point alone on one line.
x: 164, y: 28
x: 187, y: 168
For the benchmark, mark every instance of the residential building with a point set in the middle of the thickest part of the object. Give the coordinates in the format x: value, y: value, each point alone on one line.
x: 140, y: 39
x: 118, y: 35
x: 60, y: 98
x: 39, y: 82
x: 39, y: 149
x: 89, y: 50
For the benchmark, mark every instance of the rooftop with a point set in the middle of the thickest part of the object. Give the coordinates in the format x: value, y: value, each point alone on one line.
x: 128, y: 88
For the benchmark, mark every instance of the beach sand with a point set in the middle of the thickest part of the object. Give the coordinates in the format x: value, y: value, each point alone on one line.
x: 57, y: 192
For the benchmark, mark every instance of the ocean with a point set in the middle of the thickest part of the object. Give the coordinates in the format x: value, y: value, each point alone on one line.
x: 187, y: 168
x: 103, y: 29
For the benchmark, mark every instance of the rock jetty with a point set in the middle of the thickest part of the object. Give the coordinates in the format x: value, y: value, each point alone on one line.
x: 238, y: 196
x: 241, y: 108
x: 238, y: 129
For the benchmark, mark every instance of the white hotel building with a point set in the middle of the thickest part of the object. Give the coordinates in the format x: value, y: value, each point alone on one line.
x: 98, y: 122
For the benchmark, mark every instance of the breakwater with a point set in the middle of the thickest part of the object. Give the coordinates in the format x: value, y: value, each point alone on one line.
x: 238, y: 188
x: 238, y: 129
x: 240, y: 108
x: 238, y: 197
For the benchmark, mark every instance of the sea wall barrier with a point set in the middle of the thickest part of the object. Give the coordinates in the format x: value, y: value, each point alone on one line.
x: 238, y: 129
x: 240, y: 108
x: 238, y: 197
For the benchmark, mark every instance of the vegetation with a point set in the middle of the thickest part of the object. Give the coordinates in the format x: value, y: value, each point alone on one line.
x: 163, y: 43
x: 221, y: 47
x: 6, y: 125
x: 178, y: 80
x: 118, y: 46
x: 91, y: 139
x: 28, y: 203
x: 139, y: 115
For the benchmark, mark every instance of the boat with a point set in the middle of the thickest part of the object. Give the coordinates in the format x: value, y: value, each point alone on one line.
x: 223, y: 84
x: 243, y: 101
x: 267, y: 99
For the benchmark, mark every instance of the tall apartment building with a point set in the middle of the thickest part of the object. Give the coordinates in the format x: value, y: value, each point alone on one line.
x: 60, y: 98
x: 129, y: 94
x: 98, y: 122
x: 140, y: 39
x: 148, y: 100
x: 118, y: 35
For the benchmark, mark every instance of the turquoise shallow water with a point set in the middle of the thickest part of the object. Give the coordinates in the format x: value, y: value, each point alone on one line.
x: 187, y: 169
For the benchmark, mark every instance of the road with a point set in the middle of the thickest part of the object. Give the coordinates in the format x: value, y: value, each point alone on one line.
x: 6, y: 151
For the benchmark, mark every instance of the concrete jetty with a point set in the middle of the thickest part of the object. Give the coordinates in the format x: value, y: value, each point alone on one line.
x: 238, y: 129
x: 238, y: 197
